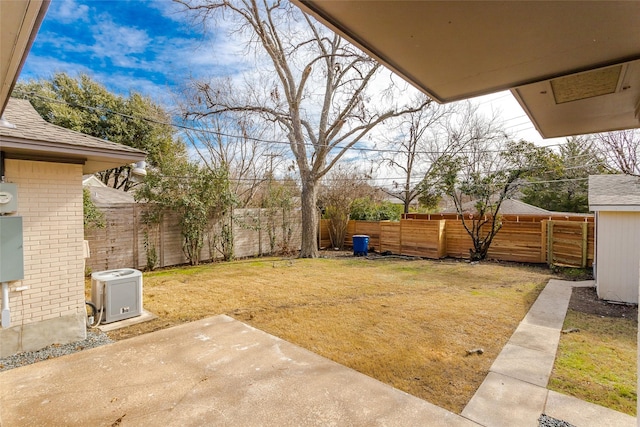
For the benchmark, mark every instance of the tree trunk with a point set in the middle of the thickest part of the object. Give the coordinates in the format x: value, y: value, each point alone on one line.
x: 309, y: 246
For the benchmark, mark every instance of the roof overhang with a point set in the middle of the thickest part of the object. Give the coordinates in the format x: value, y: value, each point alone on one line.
x: 454, y: 50
x: 25, y: 135
x: 614, y: 208
x: 19, y: 24
x: 92, y: 159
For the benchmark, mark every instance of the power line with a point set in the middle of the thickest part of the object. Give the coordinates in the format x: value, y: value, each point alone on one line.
x: 245, y: 137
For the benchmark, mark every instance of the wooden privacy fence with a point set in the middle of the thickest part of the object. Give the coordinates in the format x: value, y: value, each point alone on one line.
x: 125, y: 241
x: 558, y: 240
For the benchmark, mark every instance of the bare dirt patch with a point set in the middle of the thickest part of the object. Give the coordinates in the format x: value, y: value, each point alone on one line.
x: 585, y: 300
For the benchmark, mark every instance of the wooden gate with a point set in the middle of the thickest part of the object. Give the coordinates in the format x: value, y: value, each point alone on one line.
x: 568, y: 243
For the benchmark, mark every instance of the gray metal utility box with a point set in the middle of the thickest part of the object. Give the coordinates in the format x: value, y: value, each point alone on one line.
x: 11, y: 249
x: 120, y: 291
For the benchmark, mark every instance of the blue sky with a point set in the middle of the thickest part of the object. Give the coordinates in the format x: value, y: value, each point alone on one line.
x: 146, y: 46
x: 153, y: 48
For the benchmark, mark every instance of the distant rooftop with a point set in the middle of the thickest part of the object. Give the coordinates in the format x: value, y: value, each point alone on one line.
x: 102, y: 195
x: 508, y: 207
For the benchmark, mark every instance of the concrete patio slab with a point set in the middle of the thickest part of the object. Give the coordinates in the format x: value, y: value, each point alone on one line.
x: 536, y: 337
x: 144, y: 317
x: 504, y: 401
x: 216, y: 371
x: 585, y: 414
x: 524, y: 364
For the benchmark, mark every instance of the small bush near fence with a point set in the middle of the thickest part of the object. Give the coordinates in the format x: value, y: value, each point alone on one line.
x: 555, y: 240
x: 126, y: 241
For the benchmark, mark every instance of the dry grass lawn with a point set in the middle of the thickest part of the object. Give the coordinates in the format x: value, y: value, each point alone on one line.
x: 407, y: 323
x: 598, y: 363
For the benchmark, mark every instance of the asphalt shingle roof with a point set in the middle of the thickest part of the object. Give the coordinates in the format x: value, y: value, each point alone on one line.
x: 614, y: 190
x: 30, y: 126
x: 508, y: 207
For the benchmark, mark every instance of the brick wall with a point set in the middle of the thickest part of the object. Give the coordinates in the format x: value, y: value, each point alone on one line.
x: 50, y: 203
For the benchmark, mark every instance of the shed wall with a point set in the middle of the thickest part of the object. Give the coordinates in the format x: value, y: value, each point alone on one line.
x: 618, y: 255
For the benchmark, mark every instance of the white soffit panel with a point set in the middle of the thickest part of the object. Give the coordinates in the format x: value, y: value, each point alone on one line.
x: 598, y: 100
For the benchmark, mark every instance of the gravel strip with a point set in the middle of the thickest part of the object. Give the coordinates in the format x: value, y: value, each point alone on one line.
x: 94, y: 339
x: 547, y: 421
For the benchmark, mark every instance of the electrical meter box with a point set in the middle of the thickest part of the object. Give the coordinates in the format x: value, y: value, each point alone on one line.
x: 11, y: 249
x: 119, y: 292
x: 8, y: 198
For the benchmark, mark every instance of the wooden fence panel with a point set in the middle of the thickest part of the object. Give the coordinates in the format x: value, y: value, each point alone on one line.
x: 325, y: 240
x: 368, y: 228
x: 171, y: 242
x: 121, y: 244
x: 458, y: 241
x: 508, y: 217
x: 591, y: 243
x: 518, y: 241
x: 348, y: 237
x: 390, y: 237
x: 423, y: 238
x: 524, y: 240
x: 112, y: 246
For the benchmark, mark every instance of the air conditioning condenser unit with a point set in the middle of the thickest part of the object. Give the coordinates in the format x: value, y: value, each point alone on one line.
x: 118, y: 293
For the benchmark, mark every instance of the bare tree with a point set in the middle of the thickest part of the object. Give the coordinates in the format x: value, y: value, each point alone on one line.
x: 464, y: 133
x: 621, y: 150
x: 419, y: 139
x: 339, y: 189
x: 315, y: 87
x: 237, y: 142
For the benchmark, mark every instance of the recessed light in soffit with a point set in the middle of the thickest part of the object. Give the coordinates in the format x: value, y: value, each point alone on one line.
x: 586, y: 85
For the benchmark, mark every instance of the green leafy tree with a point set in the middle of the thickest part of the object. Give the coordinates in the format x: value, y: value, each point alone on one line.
x: 487, y: 176
x: 564, y: 185
x: 367, y: 209
x: 84, y: 105
x: 342, y: 186
x: 278, y: 200
x: 199, y: 196
x: 93, y: 216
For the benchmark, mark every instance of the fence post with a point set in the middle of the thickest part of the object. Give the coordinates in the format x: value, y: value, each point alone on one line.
x: 550, y: 242
x: 161, y: 239
x: 585, y: 243
x: 136, y: 227
x: 400, y: 238
x: 543, y: 241
x: 259, y: 232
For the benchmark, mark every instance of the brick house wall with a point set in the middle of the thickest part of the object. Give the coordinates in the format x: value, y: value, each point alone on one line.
x: 50, y: 309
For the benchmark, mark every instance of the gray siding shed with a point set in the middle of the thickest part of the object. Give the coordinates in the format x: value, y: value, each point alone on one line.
x: 615, y: 199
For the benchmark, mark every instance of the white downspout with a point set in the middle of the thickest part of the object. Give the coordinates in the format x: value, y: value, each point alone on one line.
x: 6, y: 314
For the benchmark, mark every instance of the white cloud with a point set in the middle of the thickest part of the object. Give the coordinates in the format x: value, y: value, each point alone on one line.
x: 47, y: 66
x: 67, y: 11
x: 119, y: 43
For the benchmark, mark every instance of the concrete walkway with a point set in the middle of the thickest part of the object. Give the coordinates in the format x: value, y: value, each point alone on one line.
x: 515, y: 393
x: 219, y: 371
